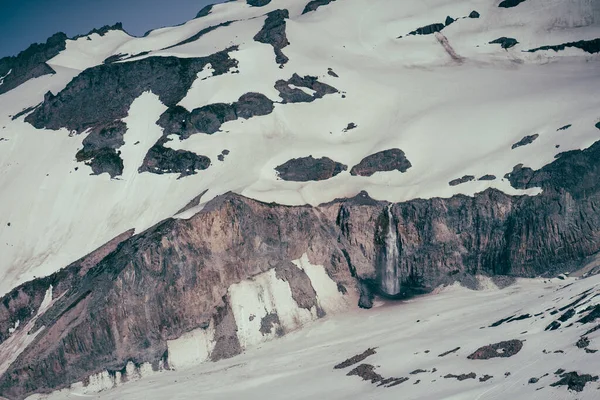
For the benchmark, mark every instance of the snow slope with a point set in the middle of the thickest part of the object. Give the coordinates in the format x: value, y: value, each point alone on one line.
x: 453, y: 113
x: 407, y: 337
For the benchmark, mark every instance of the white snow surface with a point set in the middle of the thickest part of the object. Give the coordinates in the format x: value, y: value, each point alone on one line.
x: 407, y: 336
x: 451, y: 116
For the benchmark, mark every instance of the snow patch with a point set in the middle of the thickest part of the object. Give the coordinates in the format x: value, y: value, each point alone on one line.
x: 14, y: 328
x: 329, y: 297
x: 192, y: 348
x: 2, y: 77
x: 252, y: 300
x: 47, y: 302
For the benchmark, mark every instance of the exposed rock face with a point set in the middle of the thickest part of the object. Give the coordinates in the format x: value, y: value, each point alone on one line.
x: 30, y: 63
x: 164, y: 160
x: 474, y: 14
x: 314, y: 4
x: 503, y: 349
x: 461, y: 377
x: 100, y: 97
x: 273, y: 33
x: 102, y: 31
x: 461, y: 180
x: 309, y: 169
x: 22, y: 303
x: 83, y: 103
x: 574, y: 381
x: 174, y: 277
x: 505, y: 42
x: 444, y: 354
x: 488, y: 177
x: 258, y: 3
x: 268, y: 322
x: 525, y: 141
x: 386, y: 160
x: 100, y: 149
x: 355, y: 359
x: 428, y: 29
x: 199, y: 34
x: 564, y: 128
x: 208, y: 119
x: 510, y: 3
x: 589, y: 46
x: 204, y: 11
x: 367, y: 373
x: 291, y: 94
x: 583, y: 342
x: 302, y: 290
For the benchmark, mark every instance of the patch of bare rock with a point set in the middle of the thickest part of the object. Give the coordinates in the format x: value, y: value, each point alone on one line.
x: 386, y: 160
x: 502, y: 349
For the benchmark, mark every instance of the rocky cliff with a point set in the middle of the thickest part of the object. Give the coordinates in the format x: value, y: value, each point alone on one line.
x: 185, y: 277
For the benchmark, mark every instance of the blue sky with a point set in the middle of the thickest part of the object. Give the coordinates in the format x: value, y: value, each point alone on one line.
x: 23, y: 22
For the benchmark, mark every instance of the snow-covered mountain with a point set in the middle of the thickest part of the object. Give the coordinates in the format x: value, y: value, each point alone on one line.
x: 223, y: 182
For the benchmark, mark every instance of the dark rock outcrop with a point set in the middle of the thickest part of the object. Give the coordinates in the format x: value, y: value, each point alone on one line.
x: 103, y: 94
x: 554, y: 325
x: 268, y: 322
x: 564, y: 128
x: 525, y: 141
x: 505, y: 42
x: 23, y: 112
x: 367, y: 373
x: 355, y: 359
x: 386, y: 160
x: 174, y: 277
x: 297, y: 95
x: 30, y: 63
x: 583, y: 342
x: 257, y: 3
x: 314, y: 4
x: 574, y: 381
x: 165, y: 160
x: 474, y: 14
x: 102, y: 31
x: 99, y: 97
x: 301, y: 287
x: 591, y: 316
x: 273, y: 33
x: 309, y: 169
x: 461, y: 180
x: 487, y: 177
x: 589, y: 46
x: 100, y: 149
x: 208, y: 119
x: 510, y: 3
x: 227, y: 343
x: 330, y: 72
x: 349, y: 127
x: 205, y: 11
x: 198, y: 35
x: 503, y: 349
x: 461, y: 377
x: 444, y: 354
x: 428, y: 29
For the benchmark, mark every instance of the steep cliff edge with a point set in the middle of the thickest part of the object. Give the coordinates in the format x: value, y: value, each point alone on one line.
x: 191, y: 276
